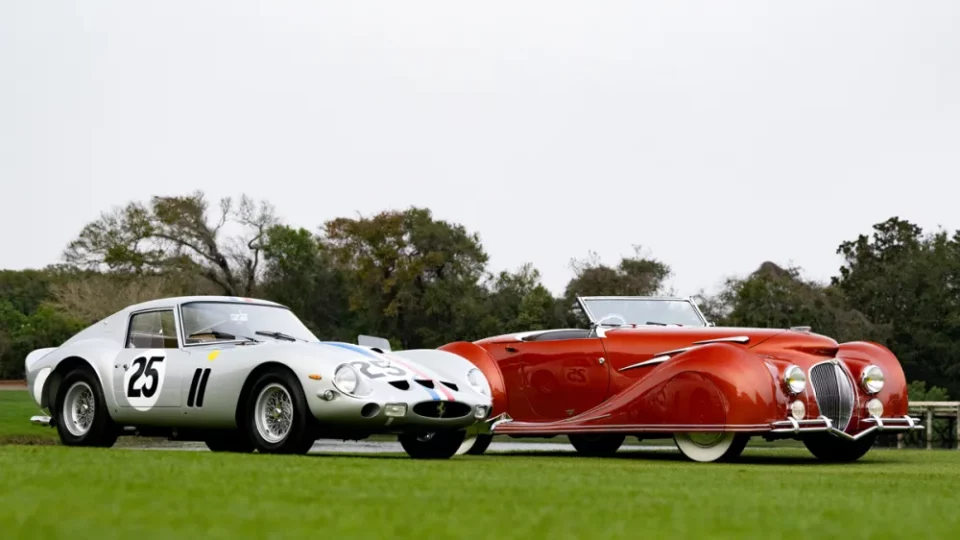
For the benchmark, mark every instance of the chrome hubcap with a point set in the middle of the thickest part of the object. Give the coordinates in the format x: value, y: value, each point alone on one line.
x: 274, y: 413
x: 79, y: 409
x: 706, y: 440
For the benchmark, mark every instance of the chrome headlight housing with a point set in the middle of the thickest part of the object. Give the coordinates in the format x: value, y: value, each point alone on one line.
x: 347, y: 379
x: 872, y: 379
x: 478, y: 382
x: 794, y: 379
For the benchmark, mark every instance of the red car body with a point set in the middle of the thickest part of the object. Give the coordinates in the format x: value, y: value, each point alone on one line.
x: 652, y: 380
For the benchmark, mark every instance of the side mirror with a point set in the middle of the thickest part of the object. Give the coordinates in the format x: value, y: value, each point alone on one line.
x: 375, y: 342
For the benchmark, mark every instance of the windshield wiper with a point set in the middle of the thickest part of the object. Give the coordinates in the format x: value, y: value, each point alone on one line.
x: 655, y: 323
x: 276, y: 335
x: 223, y: 335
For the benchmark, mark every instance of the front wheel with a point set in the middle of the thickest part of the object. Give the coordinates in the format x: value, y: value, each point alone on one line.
x: 480, y: 445
x: 829, y: 448
x: 604, y: 444
x: 435, y: 445
x: 712, y: 446
x: 81, y: 412
x: 278, y: 420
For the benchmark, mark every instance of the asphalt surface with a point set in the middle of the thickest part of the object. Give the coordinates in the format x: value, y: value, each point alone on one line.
x: 367, y: 447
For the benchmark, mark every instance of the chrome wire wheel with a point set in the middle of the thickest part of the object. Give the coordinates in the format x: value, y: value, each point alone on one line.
x: 274, y: 413
x: 79, y: 409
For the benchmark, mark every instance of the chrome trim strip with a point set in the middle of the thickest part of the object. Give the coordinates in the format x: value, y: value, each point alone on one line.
x: 731, y: 339
x: 676, y: 351
x: 651, y: 362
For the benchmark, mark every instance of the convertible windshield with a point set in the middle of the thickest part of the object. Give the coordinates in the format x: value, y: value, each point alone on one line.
x: 226, y: 321
x: 642, y: 311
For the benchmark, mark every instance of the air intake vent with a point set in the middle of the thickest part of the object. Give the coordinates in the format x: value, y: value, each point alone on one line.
x: 428, y: 384
x: 451, y: 386
x: 442, y: 409
x: 402, y: 385
x: 833, y: 392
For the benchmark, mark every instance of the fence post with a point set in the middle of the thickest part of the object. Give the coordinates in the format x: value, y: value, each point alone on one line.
x: 957, y: 424
x: 929, y: 428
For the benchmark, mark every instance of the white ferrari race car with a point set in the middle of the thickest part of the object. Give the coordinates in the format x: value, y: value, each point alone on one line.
x: 242, y: 375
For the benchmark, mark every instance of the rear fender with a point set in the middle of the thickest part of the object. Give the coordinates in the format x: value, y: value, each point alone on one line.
x: 711, y: 385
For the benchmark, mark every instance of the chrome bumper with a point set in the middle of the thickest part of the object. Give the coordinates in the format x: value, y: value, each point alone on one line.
x: 824, y: 425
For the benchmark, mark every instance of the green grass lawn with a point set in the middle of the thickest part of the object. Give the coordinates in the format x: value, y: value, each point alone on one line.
x: 16, y: 408
x: 59, y: 492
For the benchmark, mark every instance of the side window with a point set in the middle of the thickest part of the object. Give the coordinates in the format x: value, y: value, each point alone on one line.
x: 152, y: 330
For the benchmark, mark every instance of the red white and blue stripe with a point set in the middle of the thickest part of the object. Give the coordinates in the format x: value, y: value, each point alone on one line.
x: 433, y: 392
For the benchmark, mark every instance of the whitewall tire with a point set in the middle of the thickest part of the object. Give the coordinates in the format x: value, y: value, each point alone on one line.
x: 708, y: 447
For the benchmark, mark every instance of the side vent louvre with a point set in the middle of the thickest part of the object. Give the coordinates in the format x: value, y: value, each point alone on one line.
x: 402, y: 385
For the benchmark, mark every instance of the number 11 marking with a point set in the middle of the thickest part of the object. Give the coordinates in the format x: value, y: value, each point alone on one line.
x: 200, y: 377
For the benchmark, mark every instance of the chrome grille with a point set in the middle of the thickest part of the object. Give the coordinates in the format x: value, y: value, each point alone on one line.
x: 833, y: 392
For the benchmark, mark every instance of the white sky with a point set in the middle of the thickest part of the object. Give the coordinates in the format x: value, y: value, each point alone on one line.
x: 715, y: 134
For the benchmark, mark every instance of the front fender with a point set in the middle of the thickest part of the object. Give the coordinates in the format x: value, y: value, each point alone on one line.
x: 479, y: 357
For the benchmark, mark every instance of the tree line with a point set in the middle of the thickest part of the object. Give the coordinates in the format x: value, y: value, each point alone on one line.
x: 422, y: 282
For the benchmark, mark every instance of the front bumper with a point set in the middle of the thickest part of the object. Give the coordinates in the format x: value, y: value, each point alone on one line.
x: 825, y: 425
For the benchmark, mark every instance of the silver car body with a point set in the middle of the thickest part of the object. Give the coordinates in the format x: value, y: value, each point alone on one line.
x: 199, y: 385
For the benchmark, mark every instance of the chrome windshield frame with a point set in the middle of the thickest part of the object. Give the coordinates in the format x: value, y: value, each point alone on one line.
x: 582, y: 300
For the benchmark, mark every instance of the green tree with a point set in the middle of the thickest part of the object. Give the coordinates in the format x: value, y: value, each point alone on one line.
x: 301, y: 275
x: 409, y: 276
x: 517, y: 301
x: 22, y: 333
x: 638, y: 275
x: 775, y: 297
x: 179, y: 234
x: 905, y: 279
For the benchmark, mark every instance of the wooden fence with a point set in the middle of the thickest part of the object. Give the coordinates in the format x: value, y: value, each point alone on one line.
x: 928, y: 411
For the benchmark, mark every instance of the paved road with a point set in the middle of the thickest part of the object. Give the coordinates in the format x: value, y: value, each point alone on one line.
x: 367, y: 447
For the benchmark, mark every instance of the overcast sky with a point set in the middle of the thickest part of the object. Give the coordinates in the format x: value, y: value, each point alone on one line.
x: 717, y: 135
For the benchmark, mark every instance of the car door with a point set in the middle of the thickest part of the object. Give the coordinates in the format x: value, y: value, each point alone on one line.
x: 563, y: 376
x: 147, y: 373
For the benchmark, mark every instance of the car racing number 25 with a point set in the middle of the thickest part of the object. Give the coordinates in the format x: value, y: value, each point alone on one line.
x: 143, y: 379
x: 376, y: 369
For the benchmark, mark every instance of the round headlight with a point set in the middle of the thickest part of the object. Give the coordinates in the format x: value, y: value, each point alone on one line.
x: 798, y: 410
x: 872, y: 379
x: 794, y: 379
x: 478, y: 382
x: 346, y: 379
x: 875, y: 408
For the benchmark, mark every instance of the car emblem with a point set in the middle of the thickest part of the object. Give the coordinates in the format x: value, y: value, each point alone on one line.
x: 441, y: 407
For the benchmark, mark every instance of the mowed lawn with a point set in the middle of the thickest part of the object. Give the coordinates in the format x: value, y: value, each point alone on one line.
x: 58, y: 492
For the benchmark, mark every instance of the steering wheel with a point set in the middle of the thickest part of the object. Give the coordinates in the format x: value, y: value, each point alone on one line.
x: 613, y: 315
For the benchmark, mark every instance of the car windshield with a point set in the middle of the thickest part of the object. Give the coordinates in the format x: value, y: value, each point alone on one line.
x: 642, y: 311
x: 204, y: 322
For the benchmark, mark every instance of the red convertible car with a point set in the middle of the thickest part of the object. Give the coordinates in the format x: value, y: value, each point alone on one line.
x: 653, y: 367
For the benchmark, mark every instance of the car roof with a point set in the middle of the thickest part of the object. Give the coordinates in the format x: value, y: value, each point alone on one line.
x: 177, y: 300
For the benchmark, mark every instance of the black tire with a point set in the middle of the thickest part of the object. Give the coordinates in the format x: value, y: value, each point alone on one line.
x: 480, y: 445
x: 832, y: 449
x: 599, y: 445
x: 229, y: 441
x: 302, y: 432
x: 436, y: 445
x: 102, y: 432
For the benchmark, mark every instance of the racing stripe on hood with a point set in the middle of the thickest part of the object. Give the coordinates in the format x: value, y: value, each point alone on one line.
x: 366, y: 352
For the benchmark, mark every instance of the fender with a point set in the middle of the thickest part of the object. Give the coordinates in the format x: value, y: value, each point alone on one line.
x: 718, y: 387
x: 479, y: 357
x: 857, y: 355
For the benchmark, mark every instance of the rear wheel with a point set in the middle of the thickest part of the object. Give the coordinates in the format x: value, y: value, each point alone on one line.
x: 278, y: 420
x: 81, y: 412
x: 599, y: 445
x: 711, y: 446
x: 229, y: 441
x: 829, y: 448
x: 435, y: 445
